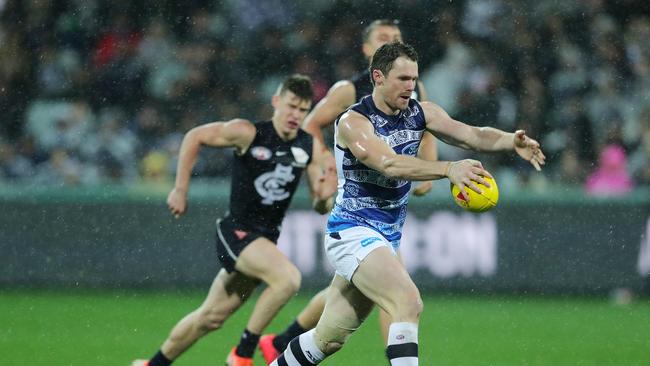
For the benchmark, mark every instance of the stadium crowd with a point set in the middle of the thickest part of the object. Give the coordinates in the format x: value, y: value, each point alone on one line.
x: 95, y: 91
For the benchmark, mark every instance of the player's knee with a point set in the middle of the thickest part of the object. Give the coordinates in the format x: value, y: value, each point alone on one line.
x: 407, y: 306
x: 329, y: 348
x: 416, y: 306
x: 330, y: 340
x: 211, y: 319
x: 411, y: 307
x: 290, y: 283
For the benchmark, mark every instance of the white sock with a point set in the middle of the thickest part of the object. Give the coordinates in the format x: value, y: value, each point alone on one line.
x: 402, y: 347
x: 302, y: 351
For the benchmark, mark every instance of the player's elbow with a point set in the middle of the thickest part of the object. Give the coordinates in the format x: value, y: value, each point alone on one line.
x: 312, y: 128
x: 193, y: 137
x: 392, y: 168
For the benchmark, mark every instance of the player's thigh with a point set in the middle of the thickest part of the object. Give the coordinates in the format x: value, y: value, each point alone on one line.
x: 345, y: 299
x: 228, y: 292
x: 262, y: 259
x: 383, y: 279
x: 398, y: 255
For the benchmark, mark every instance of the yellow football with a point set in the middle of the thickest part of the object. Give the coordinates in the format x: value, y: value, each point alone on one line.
x: 477, y: 202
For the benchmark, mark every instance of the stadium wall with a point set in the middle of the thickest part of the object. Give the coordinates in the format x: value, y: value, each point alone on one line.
x: 114, y: 237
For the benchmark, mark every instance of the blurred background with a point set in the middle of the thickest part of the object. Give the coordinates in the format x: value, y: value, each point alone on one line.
x: 95, y: 97
x: 97, y: 92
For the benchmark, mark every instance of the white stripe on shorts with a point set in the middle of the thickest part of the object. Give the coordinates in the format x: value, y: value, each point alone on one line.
x: 225, y: 243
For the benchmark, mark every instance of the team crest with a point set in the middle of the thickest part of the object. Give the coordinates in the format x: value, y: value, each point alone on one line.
x: 271, y: 185
x: 409, y: 122
x: 261, y: 153
x: 378, y: 120
x: 411, y: 149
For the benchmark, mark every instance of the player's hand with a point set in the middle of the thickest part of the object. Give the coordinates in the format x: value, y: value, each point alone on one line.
x: 329, y: 162
x: 529, y: 149
x: 423, y: 188
x: 464, y: 174
x: 327, y: 185
x: 177, y: 202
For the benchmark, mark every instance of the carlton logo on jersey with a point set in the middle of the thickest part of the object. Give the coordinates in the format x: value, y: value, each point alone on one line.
x: 271, y: 185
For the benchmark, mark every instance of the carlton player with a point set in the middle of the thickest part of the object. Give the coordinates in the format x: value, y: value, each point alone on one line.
x: 269, y: 159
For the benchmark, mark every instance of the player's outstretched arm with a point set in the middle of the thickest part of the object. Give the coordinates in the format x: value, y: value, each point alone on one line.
x: 340, y: 96
x: 322, y: 181
x: 238, y: 133
x: 481, y: 138
x: 357, y: 134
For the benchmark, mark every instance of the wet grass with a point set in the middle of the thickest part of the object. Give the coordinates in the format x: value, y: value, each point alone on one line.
x: 112, y: 328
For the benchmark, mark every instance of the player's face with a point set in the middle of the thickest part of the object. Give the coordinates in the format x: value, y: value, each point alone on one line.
x: 397, y: 87
x: 290, y: 111
x: 380, y: 36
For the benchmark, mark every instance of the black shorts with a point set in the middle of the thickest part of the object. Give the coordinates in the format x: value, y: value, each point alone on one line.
x: 232, y: 238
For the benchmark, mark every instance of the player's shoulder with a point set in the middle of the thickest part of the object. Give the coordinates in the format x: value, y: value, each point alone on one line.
x: 342, y: 88
x: 353, y: 117
x: 241, y: 124
x: 429, y: 107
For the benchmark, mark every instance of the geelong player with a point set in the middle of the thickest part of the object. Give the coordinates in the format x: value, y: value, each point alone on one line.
x: 376, y: 143
x: 269, y: 159
x: 339, y: 98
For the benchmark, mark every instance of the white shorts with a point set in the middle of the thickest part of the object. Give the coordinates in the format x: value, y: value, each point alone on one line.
x: 351, y: 247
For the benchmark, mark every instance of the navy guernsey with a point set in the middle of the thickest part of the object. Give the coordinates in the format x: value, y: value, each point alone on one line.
x: 266, y: 176
x: 365, y: 196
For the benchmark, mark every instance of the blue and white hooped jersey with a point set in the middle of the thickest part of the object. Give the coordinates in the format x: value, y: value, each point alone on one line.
x: 365, y: 196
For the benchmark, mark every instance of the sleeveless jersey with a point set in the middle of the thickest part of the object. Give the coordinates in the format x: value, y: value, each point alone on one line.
x: 266, y: 176
x: 363, y: 85
x: 365, y: 196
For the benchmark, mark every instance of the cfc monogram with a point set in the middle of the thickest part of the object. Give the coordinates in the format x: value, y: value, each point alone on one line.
x: 271, y: 185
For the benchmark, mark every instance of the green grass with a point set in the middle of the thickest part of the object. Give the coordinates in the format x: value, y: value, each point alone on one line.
x: 49, y: 328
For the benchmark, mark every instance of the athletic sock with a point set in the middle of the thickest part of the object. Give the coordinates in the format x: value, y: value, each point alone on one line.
x: 247, y: 344
x: 281, y: 341
x: 160, y: 360
x: 402, y: 347
x: 302, y: 351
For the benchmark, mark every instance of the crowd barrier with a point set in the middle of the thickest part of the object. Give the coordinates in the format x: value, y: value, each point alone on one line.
x: 117, y: 237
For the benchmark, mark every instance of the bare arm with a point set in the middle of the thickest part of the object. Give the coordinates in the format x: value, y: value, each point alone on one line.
x: 237, y: 133
x: 481, y: 138
x: 340, y: 96
x: 357, y: 134
x: 322, y: 183
x: 423, y: 97
x: 462, y: 135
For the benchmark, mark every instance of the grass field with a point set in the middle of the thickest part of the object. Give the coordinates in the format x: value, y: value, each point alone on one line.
x: 49, y: 328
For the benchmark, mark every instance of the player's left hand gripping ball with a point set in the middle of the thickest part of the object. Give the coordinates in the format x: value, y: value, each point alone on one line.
x: 477, y: 202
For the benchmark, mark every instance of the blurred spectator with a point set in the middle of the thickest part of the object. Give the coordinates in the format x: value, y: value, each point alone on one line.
x: 611, y: 176
x: 62, y: 168
x: 103, y: 85
x: 113, y: 147
x: 155, y: 167
x: 13, y: 165
x: 640, y: 157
